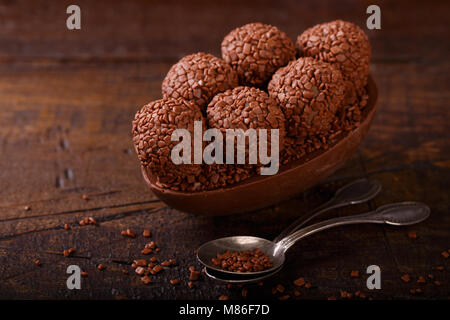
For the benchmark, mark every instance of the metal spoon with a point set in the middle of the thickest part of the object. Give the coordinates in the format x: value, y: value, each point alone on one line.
x: 355, y: 192
x: 404, y: 213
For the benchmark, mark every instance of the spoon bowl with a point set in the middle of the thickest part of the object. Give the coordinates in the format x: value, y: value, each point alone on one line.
x: 239, y: 278
x: 210, y: 249
x: 262, y: 191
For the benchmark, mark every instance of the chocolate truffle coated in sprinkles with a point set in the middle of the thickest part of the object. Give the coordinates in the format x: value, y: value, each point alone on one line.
x: 256, y: 51
x: 153, y: 126
x: 246, y: 108
x: 242, y: 108
x: 309, y: 92
x: 344, y: 45
x: 199, y: 77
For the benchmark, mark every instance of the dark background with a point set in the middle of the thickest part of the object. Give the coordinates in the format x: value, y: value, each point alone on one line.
x: 67, y: 99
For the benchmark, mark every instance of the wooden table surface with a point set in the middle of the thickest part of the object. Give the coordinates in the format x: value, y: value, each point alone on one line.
x: 67, y: 99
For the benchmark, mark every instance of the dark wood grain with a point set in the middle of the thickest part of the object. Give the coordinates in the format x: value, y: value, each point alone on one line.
x: 66, y: 103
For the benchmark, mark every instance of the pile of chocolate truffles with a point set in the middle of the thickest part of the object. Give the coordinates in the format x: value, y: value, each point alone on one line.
x: 313, y: 91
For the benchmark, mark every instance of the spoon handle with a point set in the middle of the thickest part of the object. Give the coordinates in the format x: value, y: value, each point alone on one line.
x: 327, y: 206
x: 355, y: 192
x: 404, y: 213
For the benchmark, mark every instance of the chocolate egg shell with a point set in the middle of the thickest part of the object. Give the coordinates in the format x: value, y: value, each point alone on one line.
x: 343, y: 44
x: 198, y: 78
x: 256, y: 51
x: 261, y: 191
x: 312, y: 101
x: 152, y: 129
x: 309, y: 93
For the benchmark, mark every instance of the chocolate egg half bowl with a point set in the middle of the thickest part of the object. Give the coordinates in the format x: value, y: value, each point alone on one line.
x: 262, y: 191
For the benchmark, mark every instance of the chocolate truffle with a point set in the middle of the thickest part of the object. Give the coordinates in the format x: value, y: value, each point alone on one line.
x: 256, y: 51
x: 198, y: 78
x: 343, y: 44
x: 222, y: 175
x: 152, y: 128
x: 246, y: 108
x: 309, y: 93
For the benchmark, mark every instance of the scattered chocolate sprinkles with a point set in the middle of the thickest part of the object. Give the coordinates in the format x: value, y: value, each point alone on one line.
x: 87, y: 221
x: 243, y: 261
x: 405, y: 278
x: 146, y: 233
x: 174, y: 282
x: 354, y: 274
x: 412, y: 235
